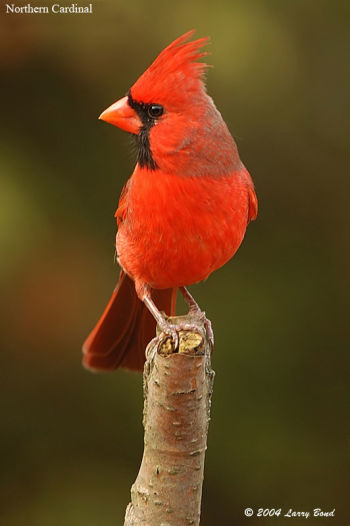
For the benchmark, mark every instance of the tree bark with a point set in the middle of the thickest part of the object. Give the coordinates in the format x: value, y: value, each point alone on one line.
x: 177, y: 394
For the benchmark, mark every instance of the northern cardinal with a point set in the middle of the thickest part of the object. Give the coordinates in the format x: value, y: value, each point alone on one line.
x: 182, y: 214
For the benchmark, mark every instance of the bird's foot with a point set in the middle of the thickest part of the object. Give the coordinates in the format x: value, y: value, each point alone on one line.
x: 198, y: 313
x: 209, y: 331
x: 172, y: 330
x: 169, y: 329
x: 195, y: 311
x: 175, y: 333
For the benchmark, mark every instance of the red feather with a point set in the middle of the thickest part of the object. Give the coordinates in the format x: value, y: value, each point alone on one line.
x: 174, y: 73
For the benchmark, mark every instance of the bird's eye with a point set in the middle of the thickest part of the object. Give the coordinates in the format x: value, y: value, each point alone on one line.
x: 155, y: 111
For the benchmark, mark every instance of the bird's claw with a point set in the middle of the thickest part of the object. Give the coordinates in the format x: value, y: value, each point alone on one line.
x: 209, y: 331
x: 200, y: 315
x: 170, y: 330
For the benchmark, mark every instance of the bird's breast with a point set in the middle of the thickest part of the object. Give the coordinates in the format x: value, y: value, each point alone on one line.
x: 178, y: 229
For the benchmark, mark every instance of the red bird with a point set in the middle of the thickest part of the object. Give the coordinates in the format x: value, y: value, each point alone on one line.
x: 181, y: 215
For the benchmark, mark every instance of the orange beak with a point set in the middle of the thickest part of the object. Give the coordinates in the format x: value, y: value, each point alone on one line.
x: 122, y: 115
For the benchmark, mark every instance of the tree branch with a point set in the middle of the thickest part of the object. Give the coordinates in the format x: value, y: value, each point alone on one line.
x: 177, y: 394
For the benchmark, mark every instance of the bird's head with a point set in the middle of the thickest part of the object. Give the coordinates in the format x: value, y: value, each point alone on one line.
x: 170, y: 114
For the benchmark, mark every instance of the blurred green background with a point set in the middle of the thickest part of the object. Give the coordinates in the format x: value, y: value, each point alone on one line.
x: 71, y: 441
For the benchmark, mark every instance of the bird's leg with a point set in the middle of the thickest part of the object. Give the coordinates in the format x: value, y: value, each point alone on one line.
x: 191, y: 302
x: 196, y: 311
x: 172, y: 330
x: 164, y: 325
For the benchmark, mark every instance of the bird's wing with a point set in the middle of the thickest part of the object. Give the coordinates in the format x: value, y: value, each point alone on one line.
x: 123, y: 204
x: 252, y: 204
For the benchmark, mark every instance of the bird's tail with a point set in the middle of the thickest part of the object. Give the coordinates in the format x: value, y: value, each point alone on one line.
x: 125, y: 328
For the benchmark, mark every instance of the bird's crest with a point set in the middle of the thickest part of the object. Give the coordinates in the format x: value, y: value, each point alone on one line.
x: 174, y: 73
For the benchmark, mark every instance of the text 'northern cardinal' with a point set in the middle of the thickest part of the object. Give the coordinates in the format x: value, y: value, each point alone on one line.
x: 181, y: 215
